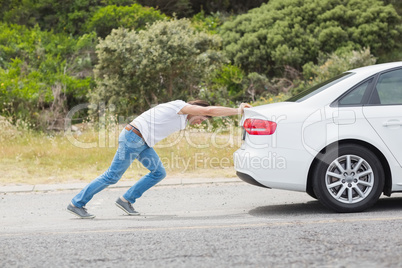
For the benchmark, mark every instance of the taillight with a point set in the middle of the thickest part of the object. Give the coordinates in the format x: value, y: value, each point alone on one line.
x: 259, y: 126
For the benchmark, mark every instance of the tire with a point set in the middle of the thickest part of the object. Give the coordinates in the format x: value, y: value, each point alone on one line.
x: 348, y: 188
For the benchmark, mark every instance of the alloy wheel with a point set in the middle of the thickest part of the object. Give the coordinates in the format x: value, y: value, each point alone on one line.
x: 349, y: 179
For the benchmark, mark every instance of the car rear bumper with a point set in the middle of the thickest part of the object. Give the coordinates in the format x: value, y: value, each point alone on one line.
x: 247, y: 178
x: 277, y: 169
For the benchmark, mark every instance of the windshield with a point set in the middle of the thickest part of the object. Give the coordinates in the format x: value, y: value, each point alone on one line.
x: 304, y: 95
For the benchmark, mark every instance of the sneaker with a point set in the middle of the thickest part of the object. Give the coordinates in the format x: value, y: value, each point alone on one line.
x: 80, y: 212
x: 126, y: 207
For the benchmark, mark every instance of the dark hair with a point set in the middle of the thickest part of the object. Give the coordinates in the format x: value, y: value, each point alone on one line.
x: 202, y: 103
x: 199, y: 103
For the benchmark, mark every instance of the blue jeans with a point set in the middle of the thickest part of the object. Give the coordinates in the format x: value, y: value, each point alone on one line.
x: 131, y: 147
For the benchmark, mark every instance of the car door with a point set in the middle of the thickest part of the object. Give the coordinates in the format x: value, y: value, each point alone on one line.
x: 384, y: 111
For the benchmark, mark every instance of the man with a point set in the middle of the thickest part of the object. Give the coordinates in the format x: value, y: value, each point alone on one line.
x: 136, y: 142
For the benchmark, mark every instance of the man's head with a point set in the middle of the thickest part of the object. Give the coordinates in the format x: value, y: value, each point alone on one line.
x: 202, y: 103
x: 198, y: 119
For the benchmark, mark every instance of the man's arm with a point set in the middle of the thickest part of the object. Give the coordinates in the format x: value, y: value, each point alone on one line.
x: 213, y: 110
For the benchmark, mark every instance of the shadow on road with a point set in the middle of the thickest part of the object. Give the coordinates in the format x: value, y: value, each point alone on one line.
x: 311, y: 207
x: 315, y: 207
x: 388, y: 204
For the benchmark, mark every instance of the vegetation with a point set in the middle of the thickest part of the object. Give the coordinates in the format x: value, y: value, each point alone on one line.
x: 135, y: 17
x: 293, y: 32
x: 331, y: 65
x: 55, y: 55
x: 142, y: 54
x: 164, y: 62
x: 60, y: 16
x: 42, y: 73
x: 35, y: 158
x: 188, y: 8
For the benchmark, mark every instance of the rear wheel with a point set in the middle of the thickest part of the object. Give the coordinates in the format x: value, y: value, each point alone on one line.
x: 348, y: 178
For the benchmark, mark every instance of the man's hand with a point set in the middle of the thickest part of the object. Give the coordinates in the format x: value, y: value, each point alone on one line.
x: 242, y: 106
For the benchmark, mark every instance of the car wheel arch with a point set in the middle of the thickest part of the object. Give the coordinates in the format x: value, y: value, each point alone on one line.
x: 387, y: 170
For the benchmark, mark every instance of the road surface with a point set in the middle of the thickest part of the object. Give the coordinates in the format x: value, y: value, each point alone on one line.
x: 206, y: 225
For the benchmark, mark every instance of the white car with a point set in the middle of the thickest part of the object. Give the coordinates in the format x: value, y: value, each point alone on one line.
x: 340, y: 141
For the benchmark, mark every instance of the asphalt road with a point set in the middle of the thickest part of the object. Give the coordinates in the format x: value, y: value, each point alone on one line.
x: 214, y: 225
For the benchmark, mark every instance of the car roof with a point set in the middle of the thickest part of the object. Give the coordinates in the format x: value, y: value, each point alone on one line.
x: 377, y: 67
x: 329, y: 94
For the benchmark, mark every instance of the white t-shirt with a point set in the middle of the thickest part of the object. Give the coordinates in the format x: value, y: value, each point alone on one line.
x: 161, y: 121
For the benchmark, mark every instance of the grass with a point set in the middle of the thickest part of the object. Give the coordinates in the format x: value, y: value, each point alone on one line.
x: 37, y: 158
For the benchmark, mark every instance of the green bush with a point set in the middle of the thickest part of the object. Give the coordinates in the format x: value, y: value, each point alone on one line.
x: 133, y: 17
x: 165, y: 61
x: 42, y: 71
x: 208, y: 23
x: 230, y: 85
x: 293, y: 32
x: 179, y: 8
x: 223, y: 86
x: 331, y: 65
x: 58, y: 16
x: 187, y: 8
x: 396, y: 3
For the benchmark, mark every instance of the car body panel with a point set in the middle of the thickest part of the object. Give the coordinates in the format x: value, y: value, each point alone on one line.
x: 286, y: 156
x: 388, y: 126
x: 283, y: 160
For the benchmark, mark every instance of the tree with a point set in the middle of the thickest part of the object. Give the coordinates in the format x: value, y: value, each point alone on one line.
x: 396, y: 3
x: 187, y: 8
x: 231, y: 6
x: 293, y: 32
x: 41, y: 72
x: 330, y: 65
x: 180, y: 8
x: 165, y: 61
x: 132, y: 17
x: 66, y: 16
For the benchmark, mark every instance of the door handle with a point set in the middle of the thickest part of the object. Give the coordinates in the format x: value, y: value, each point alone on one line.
x: 391, y: 123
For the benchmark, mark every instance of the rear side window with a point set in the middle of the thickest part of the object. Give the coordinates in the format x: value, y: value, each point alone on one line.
x: 356, y: 95
x: 318, y: 88
x: 388, y: 90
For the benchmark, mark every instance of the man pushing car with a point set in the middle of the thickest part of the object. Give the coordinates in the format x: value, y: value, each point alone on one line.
x: 136, y: 141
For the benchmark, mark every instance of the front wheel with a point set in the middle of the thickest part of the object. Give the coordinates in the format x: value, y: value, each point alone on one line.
x: 348, y: 178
